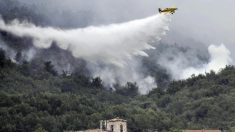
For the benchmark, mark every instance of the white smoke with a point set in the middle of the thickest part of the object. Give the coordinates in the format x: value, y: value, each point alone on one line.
x: 29, y: 54
x: 180, y: 69
x: 8, y: 51
x: 110, y: 50
x: 219, y: 58
x: 26, y: 55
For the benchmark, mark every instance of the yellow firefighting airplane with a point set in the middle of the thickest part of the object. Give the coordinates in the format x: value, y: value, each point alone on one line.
x: 168, y: 10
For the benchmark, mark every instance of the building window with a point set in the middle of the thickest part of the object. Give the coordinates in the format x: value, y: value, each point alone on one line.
x: 112, y: 128
x: 103, y: 126
x: 121, y: 128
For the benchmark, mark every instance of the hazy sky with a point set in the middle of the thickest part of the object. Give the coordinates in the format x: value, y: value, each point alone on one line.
x: 206, y: 21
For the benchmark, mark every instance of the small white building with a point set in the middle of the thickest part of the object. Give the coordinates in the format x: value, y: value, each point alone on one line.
x: 113, y: 125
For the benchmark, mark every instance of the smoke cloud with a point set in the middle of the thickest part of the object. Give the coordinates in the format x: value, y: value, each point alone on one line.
x: 111, y: 51
x: 9, y: 51
x: 179, y: 65
x: 219, y: 58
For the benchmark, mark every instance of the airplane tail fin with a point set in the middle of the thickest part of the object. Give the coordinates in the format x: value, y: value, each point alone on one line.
x: 160, y: 10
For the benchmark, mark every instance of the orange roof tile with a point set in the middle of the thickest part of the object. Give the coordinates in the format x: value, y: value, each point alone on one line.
x: 202, y: 131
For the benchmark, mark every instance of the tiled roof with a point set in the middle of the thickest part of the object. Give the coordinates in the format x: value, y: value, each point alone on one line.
x: 202, y: 131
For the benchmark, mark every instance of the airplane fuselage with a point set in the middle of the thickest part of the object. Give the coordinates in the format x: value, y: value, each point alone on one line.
x: 167, y: 10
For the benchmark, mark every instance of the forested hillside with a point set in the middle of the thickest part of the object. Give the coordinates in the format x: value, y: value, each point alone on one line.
x: 41, y: 100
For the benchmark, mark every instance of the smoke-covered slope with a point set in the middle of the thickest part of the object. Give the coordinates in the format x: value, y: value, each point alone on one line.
x: 117, y: 53
x: 44, y: 101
